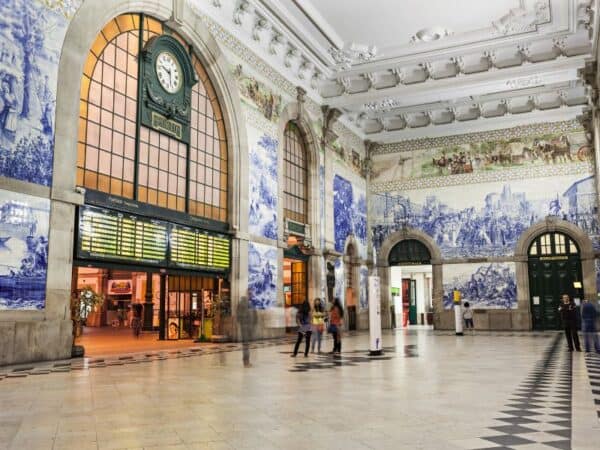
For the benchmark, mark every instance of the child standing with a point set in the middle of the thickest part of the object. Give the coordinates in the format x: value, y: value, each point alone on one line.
x: 468, y: 315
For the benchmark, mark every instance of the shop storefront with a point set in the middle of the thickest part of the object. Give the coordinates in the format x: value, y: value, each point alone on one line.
x: 295, y: 277
x: 176, y: 272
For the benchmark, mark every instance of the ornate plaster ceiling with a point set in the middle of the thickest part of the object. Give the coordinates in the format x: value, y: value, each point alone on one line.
x: 417, y: 68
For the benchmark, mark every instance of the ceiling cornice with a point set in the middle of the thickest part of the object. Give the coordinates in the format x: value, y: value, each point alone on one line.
x: 525, y: 51
x: 480, y: 125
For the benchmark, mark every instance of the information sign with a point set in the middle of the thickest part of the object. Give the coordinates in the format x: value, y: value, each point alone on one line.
x: 108, y: 234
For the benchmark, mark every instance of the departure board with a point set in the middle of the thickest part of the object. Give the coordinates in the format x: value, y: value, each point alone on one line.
x: 108, y: 234
x: 194, y: 248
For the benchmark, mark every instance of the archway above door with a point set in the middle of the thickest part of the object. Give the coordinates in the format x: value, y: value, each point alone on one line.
x: 409, y: 234
x: 409, y: 252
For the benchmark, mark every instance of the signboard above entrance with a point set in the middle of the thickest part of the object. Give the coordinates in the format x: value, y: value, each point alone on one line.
x: 106, y: 234
x: 195, y: 248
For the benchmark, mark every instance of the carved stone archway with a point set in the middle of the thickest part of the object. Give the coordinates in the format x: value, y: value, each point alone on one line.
x: 383, y: 271
x: 83, y: 29
x: 549, y: 225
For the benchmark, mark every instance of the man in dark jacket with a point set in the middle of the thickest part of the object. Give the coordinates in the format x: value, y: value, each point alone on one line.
x: 568, y: 314
x: 588, y: 326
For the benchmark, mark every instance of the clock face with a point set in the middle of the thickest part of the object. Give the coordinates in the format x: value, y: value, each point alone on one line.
x: 168, y: 72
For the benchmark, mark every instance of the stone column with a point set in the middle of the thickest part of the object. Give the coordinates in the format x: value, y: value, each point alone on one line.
x: 314, y: 269
x: 383, y: 272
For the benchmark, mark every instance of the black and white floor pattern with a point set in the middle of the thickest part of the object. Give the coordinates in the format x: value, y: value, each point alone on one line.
x: 539, y: 413
x: 592, y: 361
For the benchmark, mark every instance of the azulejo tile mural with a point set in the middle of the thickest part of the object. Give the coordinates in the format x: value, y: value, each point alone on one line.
x: 488, y: 220
x: 484, y: 286
x: 31, y: 37
x: 23, y: 250
x: 257, y: 95
x: 350, y: 215
x: 262, y: 275
x: 263, y: 186
x: 493, y: 155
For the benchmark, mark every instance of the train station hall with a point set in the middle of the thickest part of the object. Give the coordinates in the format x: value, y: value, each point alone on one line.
x: 299, y: 224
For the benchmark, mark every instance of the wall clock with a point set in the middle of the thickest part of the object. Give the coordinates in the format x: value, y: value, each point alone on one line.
x: 165, y: 88
x: 168, y: 72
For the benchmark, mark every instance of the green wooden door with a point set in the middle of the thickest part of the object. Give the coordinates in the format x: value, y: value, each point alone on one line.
x: 412, y: 314
x: 554, y: 266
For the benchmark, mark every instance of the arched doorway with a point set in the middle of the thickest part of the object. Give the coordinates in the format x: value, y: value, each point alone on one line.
x: 411, y: 284
x: 554, y: 261
x: 151, y: 237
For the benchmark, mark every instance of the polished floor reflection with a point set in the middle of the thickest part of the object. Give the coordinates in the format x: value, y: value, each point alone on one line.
x: 428, y: 391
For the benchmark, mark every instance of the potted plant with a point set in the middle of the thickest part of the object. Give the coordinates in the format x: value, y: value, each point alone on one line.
x: 81, y: 304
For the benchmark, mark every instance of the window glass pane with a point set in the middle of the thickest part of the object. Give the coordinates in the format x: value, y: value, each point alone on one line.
x: 107, y: 144
x: 572, y: 247
x: 295, y: 174
x: 209, y: 179
x: 106, y: 105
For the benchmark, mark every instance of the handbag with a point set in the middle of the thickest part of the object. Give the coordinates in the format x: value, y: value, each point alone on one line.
x: 332, y: 329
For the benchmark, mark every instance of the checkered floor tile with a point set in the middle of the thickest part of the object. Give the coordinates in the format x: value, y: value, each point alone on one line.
x: 538, y: 415
x: 592, y: 361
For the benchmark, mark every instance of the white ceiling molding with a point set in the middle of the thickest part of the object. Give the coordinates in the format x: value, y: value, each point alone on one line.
x: 486, y: 61
x: 351, y: 54
x: 524, y: 19
x: 461, y: 110
x: 479, y: 125
x: 386, y: 89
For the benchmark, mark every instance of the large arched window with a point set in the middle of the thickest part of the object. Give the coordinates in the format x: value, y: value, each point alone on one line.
x: 295, y: 175
x: 119, y: 156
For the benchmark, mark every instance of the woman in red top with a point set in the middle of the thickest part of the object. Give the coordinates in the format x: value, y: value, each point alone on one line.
x: 336, y: 317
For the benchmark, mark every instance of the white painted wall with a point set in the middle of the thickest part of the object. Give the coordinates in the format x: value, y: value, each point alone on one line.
x: 423, y: 278
x: 396, y: 282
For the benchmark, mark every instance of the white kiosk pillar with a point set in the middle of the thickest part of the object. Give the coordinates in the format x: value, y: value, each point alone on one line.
x: 458, y: 322
x: 375, y: 344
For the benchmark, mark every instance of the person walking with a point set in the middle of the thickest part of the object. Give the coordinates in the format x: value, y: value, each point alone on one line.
x: 568, y: 314
x: 336, y: 317
x: 318, y: 325
x: 588, y: 326
x: 468, y: 316
x: 247, y: 319
x: 303, y: 320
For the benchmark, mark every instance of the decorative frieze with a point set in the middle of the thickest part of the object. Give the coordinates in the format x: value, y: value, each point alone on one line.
x: 507, y: 133
x: 519, y: 173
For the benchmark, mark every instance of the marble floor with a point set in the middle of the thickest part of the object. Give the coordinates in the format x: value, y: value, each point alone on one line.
x: 106, y: 341
x: 428, y: 391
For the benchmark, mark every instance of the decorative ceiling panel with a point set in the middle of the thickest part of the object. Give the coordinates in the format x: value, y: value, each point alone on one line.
x: 390, y: 54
